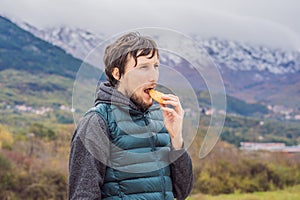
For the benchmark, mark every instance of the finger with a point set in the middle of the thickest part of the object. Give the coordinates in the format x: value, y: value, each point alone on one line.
x: 176, y: 104
x: 168, y: 111
x: 170, y: 97
x: 172, y: 103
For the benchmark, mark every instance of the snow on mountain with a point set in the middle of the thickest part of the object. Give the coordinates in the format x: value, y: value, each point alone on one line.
x: 239, y: 56
x: 230, y: 54
x: 75, y: 41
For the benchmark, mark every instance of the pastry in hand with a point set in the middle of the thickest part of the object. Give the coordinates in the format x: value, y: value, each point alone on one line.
x: 156, y: 95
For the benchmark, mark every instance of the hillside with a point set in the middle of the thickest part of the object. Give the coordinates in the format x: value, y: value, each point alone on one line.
x: 235, y: 106
x: 20, y: 50
x: 33, y: 71
x: 36, y: 78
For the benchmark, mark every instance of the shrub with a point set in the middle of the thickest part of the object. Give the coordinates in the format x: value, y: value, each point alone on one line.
x: 41, y: 131
x: 6, y: 138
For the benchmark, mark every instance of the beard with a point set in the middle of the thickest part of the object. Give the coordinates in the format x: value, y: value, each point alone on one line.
x: 138, y: 101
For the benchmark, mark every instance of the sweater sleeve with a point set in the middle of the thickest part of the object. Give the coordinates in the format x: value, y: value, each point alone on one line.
x: 88, y: 156
x: 181, y: 173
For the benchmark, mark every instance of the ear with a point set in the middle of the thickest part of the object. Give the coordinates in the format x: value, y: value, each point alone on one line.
x: 116, y: 73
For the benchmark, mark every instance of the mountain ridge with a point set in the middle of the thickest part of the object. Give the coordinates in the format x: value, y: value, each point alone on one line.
x: 226, y: 53
x: 25, y: 48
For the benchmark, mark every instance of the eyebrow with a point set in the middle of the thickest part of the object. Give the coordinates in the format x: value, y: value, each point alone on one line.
x: 147, y: 63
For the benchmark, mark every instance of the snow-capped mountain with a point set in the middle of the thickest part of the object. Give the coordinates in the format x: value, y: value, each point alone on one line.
x: 230, y: 54
x: 250, y: 72
x: 75, y: 41
x: 240, y: 56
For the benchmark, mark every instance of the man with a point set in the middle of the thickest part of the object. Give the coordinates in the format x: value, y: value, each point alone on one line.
x: 126, y: 147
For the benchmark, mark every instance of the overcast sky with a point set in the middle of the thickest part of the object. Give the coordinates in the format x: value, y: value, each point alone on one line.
x: 272, y: 22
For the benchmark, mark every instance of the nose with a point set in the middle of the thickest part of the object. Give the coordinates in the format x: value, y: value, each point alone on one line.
x: 153, y: 74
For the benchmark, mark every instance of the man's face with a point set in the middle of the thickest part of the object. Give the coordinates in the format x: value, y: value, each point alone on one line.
x: 137, y: 80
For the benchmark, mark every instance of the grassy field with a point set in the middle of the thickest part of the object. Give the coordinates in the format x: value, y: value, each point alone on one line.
x: 292, y: 193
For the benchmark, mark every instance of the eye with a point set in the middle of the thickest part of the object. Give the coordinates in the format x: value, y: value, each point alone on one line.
x: 144, y: 67
x: 156, y: 66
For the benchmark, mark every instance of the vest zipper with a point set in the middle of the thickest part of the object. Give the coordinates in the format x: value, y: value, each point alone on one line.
x: 153, y: 149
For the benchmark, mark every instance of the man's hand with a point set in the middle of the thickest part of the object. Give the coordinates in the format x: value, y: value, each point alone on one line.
x: 173, y: 119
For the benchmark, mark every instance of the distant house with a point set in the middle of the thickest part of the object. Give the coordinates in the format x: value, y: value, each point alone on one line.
x: 292, y: 149
x: 275, y: 147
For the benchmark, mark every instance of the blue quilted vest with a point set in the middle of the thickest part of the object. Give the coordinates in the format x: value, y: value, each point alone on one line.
x: 138, y: 167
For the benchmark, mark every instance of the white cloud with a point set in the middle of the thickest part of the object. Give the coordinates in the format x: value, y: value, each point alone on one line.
x: 274, y: 22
